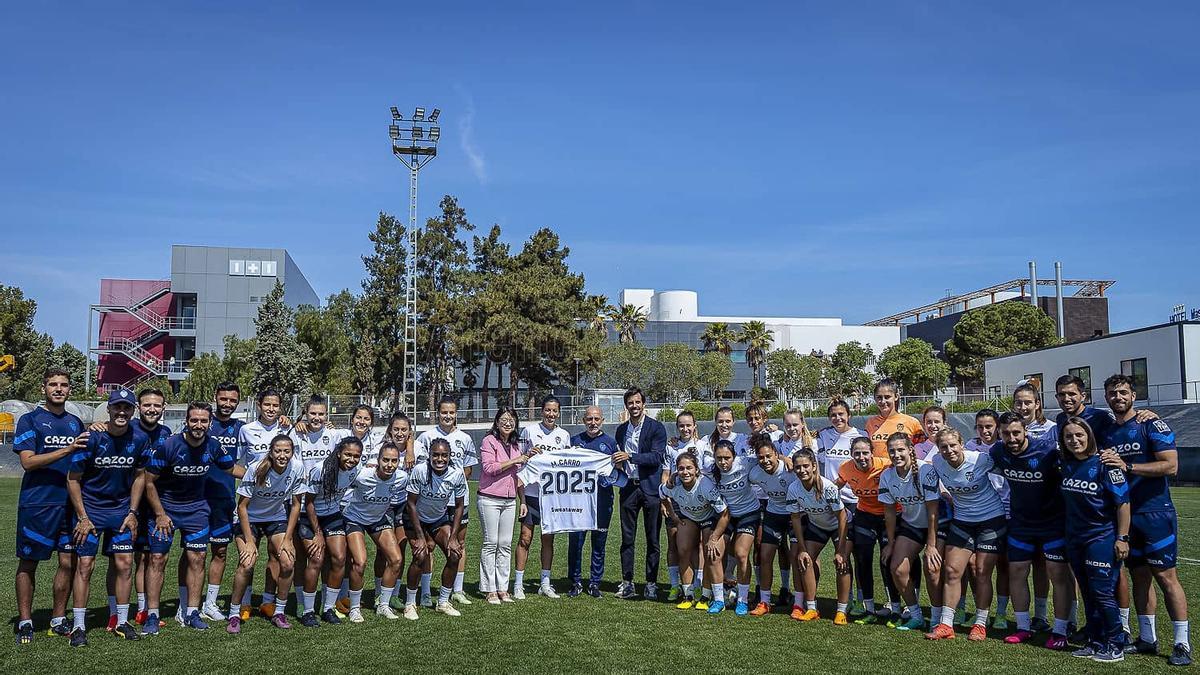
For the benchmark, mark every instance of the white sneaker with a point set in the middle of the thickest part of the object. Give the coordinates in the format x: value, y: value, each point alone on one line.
x: 448, y: 609
x: 179, y: 619
x: 386, y: 612
x: 355, y: 615
x: 460, y: 597
x: 427, y: 601
x: 548, y: 591
x: 518, y: 593
x: 212, y: 613
x: 410, y: 612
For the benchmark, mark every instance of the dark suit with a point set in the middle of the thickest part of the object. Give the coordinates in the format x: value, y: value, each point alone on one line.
x: 641, y: 497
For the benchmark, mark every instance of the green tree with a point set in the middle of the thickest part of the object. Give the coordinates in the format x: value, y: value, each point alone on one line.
x: 795, y: 375
x: 205, y: 372
x: 676, y: 373
x: 442, y: 267
x: 281, y: 361
x: 597, y: 310
x: 847, y: 372
x: 720, y: 337
x: 490, y: 257
x: 623, y: 365
x: 716, y: 372
x: 29, y: 348
x: 758, y: 340
x: 381, y: 312
x: 996, y: 330
x: 628, y: 320
x: 914, y: 366
x: 238, y: 363
x: 70, y: 359
x: 331, y: 334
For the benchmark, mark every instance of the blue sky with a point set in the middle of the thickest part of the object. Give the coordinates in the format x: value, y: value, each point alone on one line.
x: 783, y: 159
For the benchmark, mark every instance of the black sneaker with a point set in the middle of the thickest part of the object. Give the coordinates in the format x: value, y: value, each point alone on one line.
x: 78, y: 638
x: 626, y: 591
x: 1180, y: 656
x: 1140, y: 646
x: 309, y: 620
x: 1039, y: 625
x: 127, y: 631
x: 61, y: 630
x: 24, y: 634
x: 330, y: 616
x: 576, y: 590
x: 784, y: 598
x: 594, y: 591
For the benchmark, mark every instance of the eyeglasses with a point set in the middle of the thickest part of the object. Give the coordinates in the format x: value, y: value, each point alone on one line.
x: 507, y: 421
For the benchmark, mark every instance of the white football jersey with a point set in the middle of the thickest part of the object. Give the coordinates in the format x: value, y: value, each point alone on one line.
x: 312, y: 448
x: 821, y: 505
x: 704, y: 448
x: 254, y: 440
x: 369, y: 497
x: 833, y: 450
x: 568, y: 481
x: 463, y: 454
x: 970, y: 487
x: 999, y: 482
x: 701, y: 503
x: 269, y: 502
x: 910, y: 492
x: 774, y: 486
x: 674, y: 451
x: 734, y: 486
x: 316, y: 489
x: 549, y: 440
x: 435, y: 491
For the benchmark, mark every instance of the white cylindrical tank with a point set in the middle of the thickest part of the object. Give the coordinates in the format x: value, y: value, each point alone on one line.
x: 675, y: 306
x: 638, y: 297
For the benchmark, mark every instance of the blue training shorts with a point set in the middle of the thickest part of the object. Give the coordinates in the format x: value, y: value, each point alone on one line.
x: 42, y: 530
x: 1154, y: 539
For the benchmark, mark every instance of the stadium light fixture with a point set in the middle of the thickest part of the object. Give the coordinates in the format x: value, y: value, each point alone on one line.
x: 434, y: 133
x: 394, y: 132
x: 419, y: 114
x: 417, y: 132
x: 434, y: 115
x: 396, y: 114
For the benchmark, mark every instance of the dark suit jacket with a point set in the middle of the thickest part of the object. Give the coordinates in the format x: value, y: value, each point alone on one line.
x: 647, y: 461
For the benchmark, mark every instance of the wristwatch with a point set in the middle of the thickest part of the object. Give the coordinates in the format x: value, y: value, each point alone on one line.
x: 1123, y: 537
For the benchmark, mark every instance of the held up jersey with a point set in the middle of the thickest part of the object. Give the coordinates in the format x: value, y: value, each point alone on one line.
x: 821, y: 504
x: 703, y: 502
x: 911, y: 492
x: 833, y: 450
x: 270, y: 501
x: 568, y: 480
x: 370, y: 496
x: 435, y: 491
x: 549, y: 440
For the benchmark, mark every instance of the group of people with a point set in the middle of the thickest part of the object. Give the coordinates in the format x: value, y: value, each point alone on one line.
x: 1068, y: 502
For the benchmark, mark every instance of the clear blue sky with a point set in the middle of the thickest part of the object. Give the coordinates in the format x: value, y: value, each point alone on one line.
x: 796, y: 159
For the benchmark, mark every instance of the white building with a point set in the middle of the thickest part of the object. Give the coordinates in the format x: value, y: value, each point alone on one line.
x: 1163, y: 360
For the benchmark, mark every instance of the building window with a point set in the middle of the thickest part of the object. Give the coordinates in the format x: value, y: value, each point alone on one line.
x: 1084, y: 373
x: 1136, y: 369
x: 737, y: 356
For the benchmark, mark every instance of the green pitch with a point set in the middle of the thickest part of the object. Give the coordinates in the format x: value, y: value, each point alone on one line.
x: 538, y: 635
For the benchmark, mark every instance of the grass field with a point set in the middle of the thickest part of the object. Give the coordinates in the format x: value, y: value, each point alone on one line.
x: 540, y: 635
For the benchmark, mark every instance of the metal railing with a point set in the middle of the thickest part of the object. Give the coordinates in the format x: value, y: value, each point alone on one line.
x: 1164, y: 392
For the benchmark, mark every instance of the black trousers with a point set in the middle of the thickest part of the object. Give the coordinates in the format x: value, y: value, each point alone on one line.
x: 635, y: 502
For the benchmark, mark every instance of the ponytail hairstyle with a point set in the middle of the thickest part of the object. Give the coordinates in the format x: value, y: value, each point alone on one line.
x: 806, y: 452
x: 725, y: 444
x: 264, y: 464
x: 331, y: 467
x: 859, y: 440
x: 1034, y: 386
x: 806, y: 437
x: 715, y: 438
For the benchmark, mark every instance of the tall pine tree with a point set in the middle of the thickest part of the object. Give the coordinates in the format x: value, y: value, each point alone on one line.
x: 281, y: 361
x: 381, y: 313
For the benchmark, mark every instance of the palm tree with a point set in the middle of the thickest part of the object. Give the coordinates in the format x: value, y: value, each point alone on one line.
x: 758, y: 340
x: 718, y: 337
x: 597, y: 312
x: 629, y: 319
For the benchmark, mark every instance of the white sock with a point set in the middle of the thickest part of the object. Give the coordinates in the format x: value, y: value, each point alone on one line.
x: 914, y: 611
x: 112, y: 605
x: 687, y: 592
x: 247, y: 596
x: 141, y: 599
x: 385, y: 596
x: 458, y: 581
x: 1023, y: 621
x: 235, y: 610
x: 122, y: 614
x: 330, y: 598
x: 718, y: 592
x: 798, y: 599
x: 211, y: 593
x: 268, y: 598
x: 356, y: 599
x: 426, y: 579
x: 699, y: 580
x: 1124, y: 611
x: 764, y: 596
x: 743, y: 592
x: 1181, y: 634
x: 545, y: 577
x: 411, y: 596
x: 705, y: 593
x: 80, y: 613
x: 673, y: 574
x: 443, y: 595
x: 1060, y: 627
x: 1040, y: 608
x: 841, y: 607
x: 812, y: 605
x: 309, y: 601
x: 947, y: 618
x: 785, y: 578
x: 190, y: 610
x: 1001, y: 605
x: 518, y: 579
x: 981, y: 616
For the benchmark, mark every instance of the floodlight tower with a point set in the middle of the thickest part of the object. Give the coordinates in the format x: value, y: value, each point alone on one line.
x: 415, y: 146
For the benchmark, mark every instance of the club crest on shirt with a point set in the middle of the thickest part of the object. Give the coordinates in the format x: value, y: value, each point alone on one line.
x: 970, y: 475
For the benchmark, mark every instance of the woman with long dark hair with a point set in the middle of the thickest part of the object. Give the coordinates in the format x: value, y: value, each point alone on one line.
x: 501, y: 456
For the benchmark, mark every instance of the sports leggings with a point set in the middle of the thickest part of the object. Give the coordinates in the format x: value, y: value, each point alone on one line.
x: 869, y: 529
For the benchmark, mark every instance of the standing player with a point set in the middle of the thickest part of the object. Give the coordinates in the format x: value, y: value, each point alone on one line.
x: 861, y: 475
x: 1146, y: 452
x: 1035, y: 524
x: 220, y: 490
x: 254, y: 441
x: 978, y: 529
x: 105, y: 487
x: 400, y: 433
x: 593, y: 438
x: 1097, y: 527
x: 1027, y: 403
x: 833, y: 450
x: 909, y: 488
x: 987, y: 434
x: 890, y: 420
x: 795, y: 435
x: 722, y: 431
x: 368, y: 503
x: 933, y: 420
x: 464, y: 457
x: 731, y: 475
x: 44, y: 440
x: 545, y: 436
x: 694, y: 502
x: 175, y: 479
x: 818, y: 516
x: 433, y: 483
x: 269, y: 497
x: 323, y: 529
x: 684, y: 440
x: 773, y: 478
x: 151, y: 403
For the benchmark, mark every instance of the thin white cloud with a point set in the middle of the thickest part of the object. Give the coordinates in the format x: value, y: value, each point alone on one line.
x: 466, y: 138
